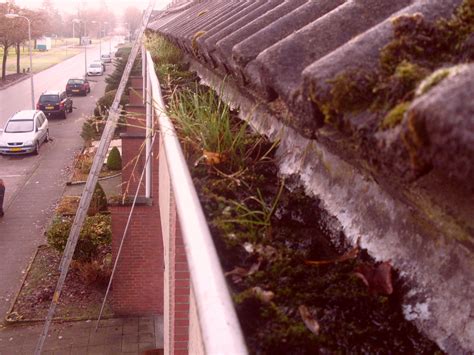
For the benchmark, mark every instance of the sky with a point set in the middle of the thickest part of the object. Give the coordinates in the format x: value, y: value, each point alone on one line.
x: 116, y: 5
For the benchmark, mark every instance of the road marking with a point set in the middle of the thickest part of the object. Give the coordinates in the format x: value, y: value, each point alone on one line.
x: 10, y: 176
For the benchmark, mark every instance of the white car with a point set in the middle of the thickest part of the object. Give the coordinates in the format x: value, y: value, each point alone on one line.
x: 95, y: 68
x: 24, y: 132
x: 106, y: 58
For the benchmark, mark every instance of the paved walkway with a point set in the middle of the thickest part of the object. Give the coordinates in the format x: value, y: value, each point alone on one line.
x: 114, y: 336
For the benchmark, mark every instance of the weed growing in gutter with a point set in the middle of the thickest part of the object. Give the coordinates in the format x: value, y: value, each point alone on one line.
x: 294, y: 291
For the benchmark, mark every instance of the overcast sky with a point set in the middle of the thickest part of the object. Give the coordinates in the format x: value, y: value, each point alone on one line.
x: 117, y: 5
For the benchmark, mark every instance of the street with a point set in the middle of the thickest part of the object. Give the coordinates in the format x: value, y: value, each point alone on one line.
x: 35, y: 183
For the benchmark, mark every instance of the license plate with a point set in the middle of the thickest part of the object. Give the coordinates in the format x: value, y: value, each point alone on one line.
x: 49, y: 107
x: 15, y: 149
x: 75, y: 90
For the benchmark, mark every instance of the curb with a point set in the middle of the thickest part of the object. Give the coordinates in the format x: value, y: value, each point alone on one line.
x: 71, y: 183
x: 15, y: 82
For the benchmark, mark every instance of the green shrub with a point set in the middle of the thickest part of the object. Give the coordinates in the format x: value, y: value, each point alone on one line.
x: 114, y: 161
x: 96, y: 231
x: 104, y: 103
x: 98, y: 202
x: 113, y: 80
x: 92, y: 128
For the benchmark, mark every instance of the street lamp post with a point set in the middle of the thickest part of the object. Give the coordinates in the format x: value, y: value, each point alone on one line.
x: 31, y: 55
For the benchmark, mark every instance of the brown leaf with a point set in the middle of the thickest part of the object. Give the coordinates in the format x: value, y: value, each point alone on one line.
x: 351, y: 254
x: 308, y: 319
x: 262, y: 295
x: 213, y: 158
x: 238, y: 273
x: 377, y: 278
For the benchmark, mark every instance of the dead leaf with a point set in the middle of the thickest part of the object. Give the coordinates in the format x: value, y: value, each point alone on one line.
x: 377, y: 278
x: 213, y: 158
x: 308, y: 319
x: 238, y: 273
x: 351, y: 254
x: 262, y: 295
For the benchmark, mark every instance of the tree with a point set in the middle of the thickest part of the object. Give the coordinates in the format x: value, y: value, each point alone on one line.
x: 7, y: 33
x: 133, y: 17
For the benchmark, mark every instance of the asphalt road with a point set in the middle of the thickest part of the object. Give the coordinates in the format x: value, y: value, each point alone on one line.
x: 35, y: 183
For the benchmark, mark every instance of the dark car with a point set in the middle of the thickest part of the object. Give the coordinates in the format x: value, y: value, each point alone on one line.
x: 77, y: 86
x: 54, y: 103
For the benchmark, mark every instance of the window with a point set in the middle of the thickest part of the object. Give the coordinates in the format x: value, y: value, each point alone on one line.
x: 75, y: 81
x: 19, y: 126
x: 49, y: 99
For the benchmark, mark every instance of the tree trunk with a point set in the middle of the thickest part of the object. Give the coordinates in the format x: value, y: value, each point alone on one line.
x: 17, y: 48
x: 4, y: 62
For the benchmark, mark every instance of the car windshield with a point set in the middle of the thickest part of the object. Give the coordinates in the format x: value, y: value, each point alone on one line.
x: 19, y: 126
x: 49, y: 99
x: 75, y: 81
x: 96, y: 65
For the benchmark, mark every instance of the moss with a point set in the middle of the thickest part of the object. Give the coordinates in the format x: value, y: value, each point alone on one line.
x: 433, y: 80
x: 395, y: 116
x: 352, y: 91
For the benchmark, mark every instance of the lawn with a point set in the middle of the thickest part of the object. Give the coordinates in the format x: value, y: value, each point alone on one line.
x: 62, y: 49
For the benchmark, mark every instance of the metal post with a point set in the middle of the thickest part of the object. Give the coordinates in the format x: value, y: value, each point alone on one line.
x: 149, y: 123
x: 100, y: 40
x: 85, y: 50
x: 31, y: 64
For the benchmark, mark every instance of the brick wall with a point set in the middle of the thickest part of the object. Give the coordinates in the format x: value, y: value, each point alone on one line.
x: 133, y: 161
x: 180, y: 290
x: 137, y: 288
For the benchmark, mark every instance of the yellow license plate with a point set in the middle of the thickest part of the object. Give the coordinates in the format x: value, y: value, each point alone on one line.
x: 49, y: 107
x: 75, y: 90
x: 15, y: 149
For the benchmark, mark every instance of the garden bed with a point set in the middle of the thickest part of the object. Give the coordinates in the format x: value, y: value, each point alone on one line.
x: 79, y: 298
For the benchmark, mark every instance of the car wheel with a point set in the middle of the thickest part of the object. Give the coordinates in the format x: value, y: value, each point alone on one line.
x: 46, y: 139
x: 37, y: 148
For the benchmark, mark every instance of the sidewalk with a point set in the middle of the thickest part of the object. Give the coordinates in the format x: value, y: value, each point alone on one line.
x: 114, y: 336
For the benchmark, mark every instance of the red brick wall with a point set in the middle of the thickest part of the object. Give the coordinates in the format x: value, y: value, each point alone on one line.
x: 137, y: 287
x: 179, y: 295
x: 133, y: 161
x: 135, y: 119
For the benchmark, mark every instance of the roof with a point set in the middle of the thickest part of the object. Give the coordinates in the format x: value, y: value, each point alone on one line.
x: 51, y: 92
x: 24, y: 115
x: 289, y: 52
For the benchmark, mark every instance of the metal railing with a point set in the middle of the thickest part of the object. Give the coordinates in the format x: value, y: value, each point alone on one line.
x: 219, y: 328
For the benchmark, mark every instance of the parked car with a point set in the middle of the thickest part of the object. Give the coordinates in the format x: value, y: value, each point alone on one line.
x: 101, y: 63
x: 95, y: 68
x: 24, y: 133
x: 106, y: 58
x: 54, y: 102
x: 77, y: 86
